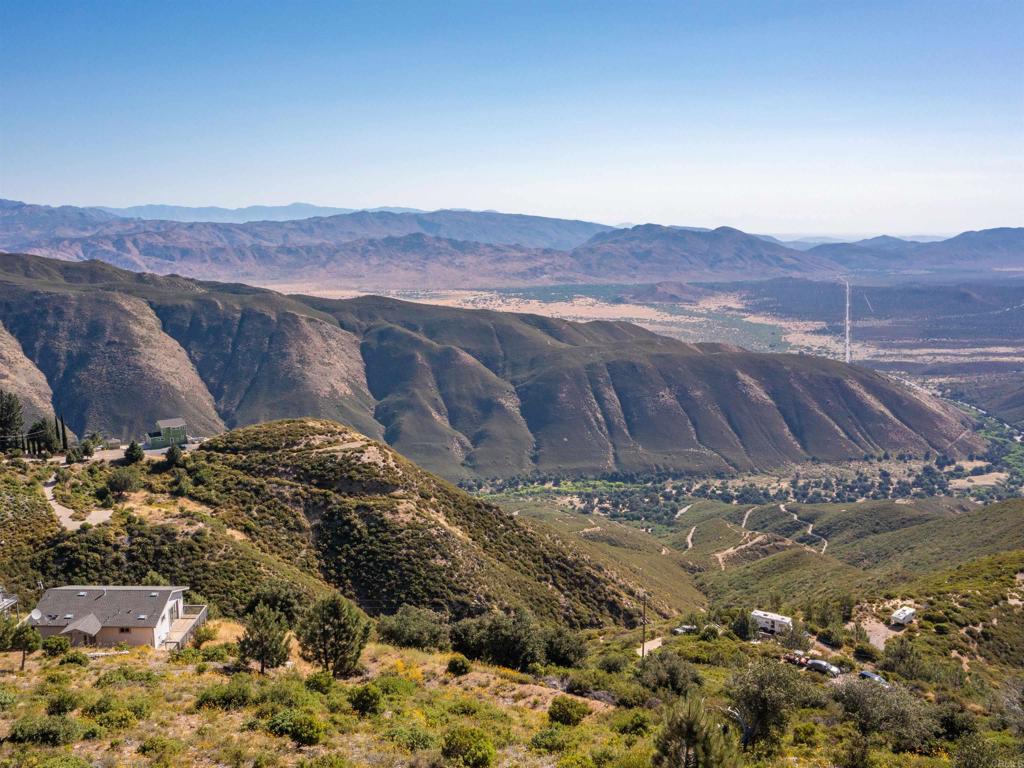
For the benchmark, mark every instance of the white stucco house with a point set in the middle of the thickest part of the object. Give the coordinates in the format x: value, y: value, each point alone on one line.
x: 107, y: 615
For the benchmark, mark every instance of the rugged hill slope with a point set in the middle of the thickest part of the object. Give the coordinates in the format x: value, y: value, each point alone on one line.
x: 463, y: 392
x: 316, y: 504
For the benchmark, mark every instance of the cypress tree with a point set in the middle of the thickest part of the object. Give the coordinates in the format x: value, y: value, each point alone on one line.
x: 63, y: 433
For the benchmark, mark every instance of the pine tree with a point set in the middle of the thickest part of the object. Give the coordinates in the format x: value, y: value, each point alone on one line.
x: 11, y: 421
x: 692, y: 739
x: 26, y: 639
x: 265, y: 639
x: 133, y: 454
x: 44, y: 436
x: 332, y: 634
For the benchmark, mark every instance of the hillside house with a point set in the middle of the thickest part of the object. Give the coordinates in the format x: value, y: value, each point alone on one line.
x: 772, y: 623
x: 8, y: 602
x: 903, y: 615
x: 106, y: 615
x: 168, y: 432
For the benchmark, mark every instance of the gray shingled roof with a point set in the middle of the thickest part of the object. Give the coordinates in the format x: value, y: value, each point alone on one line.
x: 170, y: 423
x: 88, y: 624
x: 112, y: 606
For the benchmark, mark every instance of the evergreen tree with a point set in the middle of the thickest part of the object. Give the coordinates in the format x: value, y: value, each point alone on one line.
x: 173, y: 456
x: 63, y: 434
x: 11, y: 422
x: 44, y: 436
x: 332, y: 634
x: 26, y: 639
x: 265, y: 639
x: 133, y: 454
x: 691, y: 739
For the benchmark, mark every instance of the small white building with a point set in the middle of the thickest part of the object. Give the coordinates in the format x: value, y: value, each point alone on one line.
x: 772, y: 623
x: 108, y: 615
x: 903, y: 615
x: 8, y: 602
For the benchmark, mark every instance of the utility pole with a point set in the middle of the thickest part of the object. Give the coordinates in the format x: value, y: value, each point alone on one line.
x: 643, y: 637
x: 849, y: 357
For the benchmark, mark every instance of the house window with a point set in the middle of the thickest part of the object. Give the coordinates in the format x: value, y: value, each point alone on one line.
x: 124, y: 630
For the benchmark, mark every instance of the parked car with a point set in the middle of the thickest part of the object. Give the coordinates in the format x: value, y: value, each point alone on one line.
x: 820, y: 665
x: 685, y: 629
x: 874, y: 677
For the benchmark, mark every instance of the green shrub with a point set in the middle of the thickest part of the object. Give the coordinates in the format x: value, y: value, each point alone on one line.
x: 805, y: 734
x: 576, y: 761
x: 458, y: 665
x: 56, y: 646
x: 117, y: 718
x: 64, y: 761
x: 320, y: 682
x: 708, y: 633
x: 123, y: 675
x: 366, y: 699
x: 567, y: 711
x: 636, y: 722
x: 468, y: 748
x: 332, y: 760
x: 565, y: 648
x: 510, y: 641
x: 412, y: 627
x: 410, y: 736
x: 234, y: 694
x: 395, y: 685
x: 301, y: 727
x: 866, y: 652
x: 613, y: 663
x: 7, y: 698
x: 186, y: 656
x: 203, y: 634
x: 216, y: 653
x: 160, y: 748
x: 551, y: 739
x: 53, y: 731
x: 77, y: 658
x: 666, y: 671
x: 62, y: 702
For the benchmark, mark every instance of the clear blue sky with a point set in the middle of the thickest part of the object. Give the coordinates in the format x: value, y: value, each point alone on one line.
x: 841, y: 117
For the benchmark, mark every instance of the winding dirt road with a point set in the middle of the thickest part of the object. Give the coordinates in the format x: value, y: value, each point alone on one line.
x: 810, y: 527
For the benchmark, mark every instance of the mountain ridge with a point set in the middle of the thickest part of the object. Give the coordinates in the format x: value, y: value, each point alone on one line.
x: 461, y: 392
x: 381, y: 250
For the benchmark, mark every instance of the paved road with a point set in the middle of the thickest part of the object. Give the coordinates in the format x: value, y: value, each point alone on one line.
x: 64, y: 514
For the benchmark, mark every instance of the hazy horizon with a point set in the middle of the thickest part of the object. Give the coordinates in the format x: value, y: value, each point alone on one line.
x: 818, y: 120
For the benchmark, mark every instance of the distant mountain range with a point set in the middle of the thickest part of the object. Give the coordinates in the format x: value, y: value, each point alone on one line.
x: 462, y: 392
x: 240, y: 215
x: 442, y: 249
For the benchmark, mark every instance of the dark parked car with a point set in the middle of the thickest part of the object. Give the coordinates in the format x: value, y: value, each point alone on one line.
x: 874, y: 677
